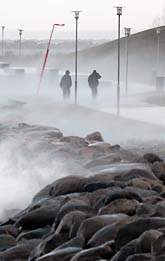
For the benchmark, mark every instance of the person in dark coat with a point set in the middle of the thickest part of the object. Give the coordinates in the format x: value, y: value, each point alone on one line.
x: 93, y: 81
x: 66, y: 84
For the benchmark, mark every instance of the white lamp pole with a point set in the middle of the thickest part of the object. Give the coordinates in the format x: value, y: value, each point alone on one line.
x: 3, y: 29
x: 77, y: 14
x: 158, y: 31
x: 20, y: 40
x: 119, y: 13
x: 127, y: 35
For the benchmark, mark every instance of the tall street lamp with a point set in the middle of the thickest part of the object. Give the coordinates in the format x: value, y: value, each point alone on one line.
x: 127, y: 35
x: 158, y: 31
x: 20, y: 40
x: 77, y: 14
x: 3, y: 29
x: 119, y: 13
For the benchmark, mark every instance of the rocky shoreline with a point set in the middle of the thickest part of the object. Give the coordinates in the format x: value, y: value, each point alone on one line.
x: 112, y: 208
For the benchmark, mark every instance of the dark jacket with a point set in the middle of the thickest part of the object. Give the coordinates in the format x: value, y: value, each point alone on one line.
x: 66, y: 81
x: 93, y: 79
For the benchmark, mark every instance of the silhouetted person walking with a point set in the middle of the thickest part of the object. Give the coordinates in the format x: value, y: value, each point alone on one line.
x: 93, y: 81
x: 65, y: 84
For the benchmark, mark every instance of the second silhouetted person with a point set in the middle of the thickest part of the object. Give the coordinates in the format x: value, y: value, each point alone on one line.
x: 93, y: 81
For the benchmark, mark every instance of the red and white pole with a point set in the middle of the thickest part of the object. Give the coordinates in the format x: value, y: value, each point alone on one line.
x: 46, y: 57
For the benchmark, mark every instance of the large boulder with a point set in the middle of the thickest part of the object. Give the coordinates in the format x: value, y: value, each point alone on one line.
x: 133, y: 230
x: 39, y: 217
x: 71, y: 222
x: 61, y: 254
x: 75, y: 141
x: 93, y: 254
x: 126, y: 206
x: 158, y: 168
x: 91, y: 225
x: 6, y: 242
x: 19, y: 252
x: 63, y: 186
x: 151, y: 157
x: 95, y: 136
x: 47, y: 245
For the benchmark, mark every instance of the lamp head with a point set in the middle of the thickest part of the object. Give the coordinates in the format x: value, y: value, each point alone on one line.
x: 3, y: 28
x: 20, y: 31
x: 77, y: 14
x: 119, y: 10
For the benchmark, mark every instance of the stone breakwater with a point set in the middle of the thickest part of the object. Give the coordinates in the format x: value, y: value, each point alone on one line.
x: 112, y: 209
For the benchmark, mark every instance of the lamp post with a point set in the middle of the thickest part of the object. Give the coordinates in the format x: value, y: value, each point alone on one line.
x: 3, y: 29
x: 46, y: 56
x: 20, y: 40
x: 77, y: 14
x: 158, y: 31
x: 119, y: 13
x: 127, y: 34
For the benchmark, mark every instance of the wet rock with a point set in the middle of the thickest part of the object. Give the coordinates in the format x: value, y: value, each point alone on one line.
x: 67, y: 185
x: 71, y: 223
x: 140, y: 257
x: 63, y: 186
x: 158, y: 168
x: 75, y: 141
x: 141, y: 192
x: 158, y: 244
x: 136, y: 173
x: 93, y: 254
x: 105, y: 234
x: 151, y: 200
x: 103, y: 148
x: 47, y: 245
x: 101, y: 161
x: 115, y: 147
x: 96, y: 185
x: 38, y: 218
x: 6, y: 241
x: 133, y: 230
x: 61, y: 254
x: 74, y: 205
x: 126, y: 251
x: 9, y: 230
x: 95, y: 136
x: 34, y: 234
x: 151, y: 157
x: 91, y: 225
x: 146, y: 241
x: 74, y: 242
x: 140, y: 183
x: 125, y: 172
x: 94, y: 151
x: 98, y: 196
x: 42, y: 131
x: 125, y: 206
x: 120, y: 194
x: 158, y: 188
x: 148, y: 210
x: 18, y: 252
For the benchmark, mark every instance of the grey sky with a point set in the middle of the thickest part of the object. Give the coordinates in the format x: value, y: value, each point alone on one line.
x: 39, y: 15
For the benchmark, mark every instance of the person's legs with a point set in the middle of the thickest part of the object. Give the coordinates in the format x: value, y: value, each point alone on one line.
x: 68, y: 93
x: 94, y: 92
x: 64, y: 93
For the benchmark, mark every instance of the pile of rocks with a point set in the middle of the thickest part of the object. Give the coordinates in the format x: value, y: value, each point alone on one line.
x: 115, y: 211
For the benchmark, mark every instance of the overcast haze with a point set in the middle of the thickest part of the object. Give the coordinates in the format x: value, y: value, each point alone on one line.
x: 39, y: 15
